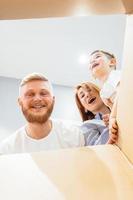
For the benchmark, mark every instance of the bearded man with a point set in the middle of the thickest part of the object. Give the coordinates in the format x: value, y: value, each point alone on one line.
x: 36, y: 101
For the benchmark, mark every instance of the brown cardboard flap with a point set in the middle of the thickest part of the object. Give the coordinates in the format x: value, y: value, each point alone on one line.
x: 95, y: 173
x: 128, y: 4
x: 125, y: 102
x: 22, y: 9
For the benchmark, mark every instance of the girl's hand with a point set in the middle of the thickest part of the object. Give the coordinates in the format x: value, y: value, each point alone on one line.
x: 113, y: 131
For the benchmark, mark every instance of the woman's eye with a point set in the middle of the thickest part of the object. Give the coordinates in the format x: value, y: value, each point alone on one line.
x: 82, y: 96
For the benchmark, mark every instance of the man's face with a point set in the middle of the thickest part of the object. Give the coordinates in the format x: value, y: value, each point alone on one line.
x: 99, y: 64
x: 90, y: 99
x: 36, y: 101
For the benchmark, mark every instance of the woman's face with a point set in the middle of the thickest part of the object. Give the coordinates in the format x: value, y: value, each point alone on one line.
x: 90, y: 99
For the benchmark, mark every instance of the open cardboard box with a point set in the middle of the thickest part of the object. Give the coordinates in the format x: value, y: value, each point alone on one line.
x: 23, y: 9
x: 98, y: 172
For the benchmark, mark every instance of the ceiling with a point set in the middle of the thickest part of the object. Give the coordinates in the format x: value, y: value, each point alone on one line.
x: 54, y: 38
x: 54, y: 46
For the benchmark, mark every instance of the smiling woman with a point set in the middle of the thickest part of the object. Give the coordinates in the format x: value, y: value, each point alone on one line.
x: 89, y: 102
x: 91, y: 107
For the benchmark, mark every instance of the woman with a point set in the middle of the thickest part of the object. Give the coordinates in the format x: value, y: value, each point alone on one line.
x: 91, y: 107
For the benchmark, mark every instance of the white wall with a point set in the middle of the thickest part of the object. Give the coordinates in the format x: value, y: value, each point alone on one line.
x: 11, y: 117
x: 65, y: 106
x: 55, y: 45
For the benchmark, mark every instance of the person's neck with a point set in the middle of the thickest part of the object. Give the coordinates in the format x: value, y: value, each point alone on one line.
x: 38, y: 131
x: 104, y: 76
x: 103, y: 110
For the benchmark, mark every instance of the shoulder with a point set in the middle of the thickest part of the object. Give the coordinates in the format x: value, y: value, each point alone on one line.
x: 95, y: 132
x: 94, y: 124
x: 114, y: 78
x: 16, y: 135
x: 110, y: 85
x: 9, y: 143
x: 69, y: 131
x: 66, y: 125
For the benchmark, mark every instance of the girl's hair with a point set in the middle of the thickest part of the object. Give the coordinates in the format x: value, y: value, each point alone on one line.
x: 85, y: 115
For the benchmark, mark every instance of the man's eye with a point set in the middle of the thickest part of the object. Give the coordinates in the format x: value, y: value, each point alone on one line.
x: 44, y: 94
x: 30, y: 95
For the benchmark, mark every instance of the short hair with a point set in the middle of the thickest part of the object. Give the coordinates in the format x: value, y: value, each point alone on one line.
x: 109, y: 55
x: 34, y: 77
x: 84, y: 115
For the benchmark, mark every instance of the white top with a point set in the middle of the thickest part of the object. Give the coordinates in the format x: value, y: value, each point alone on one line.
x: 109, y: 88
x: 62, y: 135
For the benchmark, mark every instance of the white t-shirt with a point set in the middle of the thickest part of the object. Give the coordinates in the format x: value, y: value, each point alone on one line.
x: 109, y: 89
x: 62, y: 135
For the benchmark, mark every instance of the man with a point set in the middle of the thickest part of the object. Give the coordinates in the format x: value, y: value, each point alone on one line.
x: 36, y: 101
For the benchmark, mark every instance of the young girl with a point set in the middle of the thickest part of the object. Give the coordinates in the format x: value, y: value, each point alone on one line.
x: 103, y: 67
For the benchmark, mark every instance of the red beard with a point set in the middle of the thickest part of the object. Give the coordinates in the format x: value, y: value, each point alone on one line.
x: 36, y: 117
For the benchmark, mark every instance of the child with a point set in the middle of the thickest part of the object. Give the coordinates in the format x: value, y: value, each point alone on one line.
x: 103, y: 68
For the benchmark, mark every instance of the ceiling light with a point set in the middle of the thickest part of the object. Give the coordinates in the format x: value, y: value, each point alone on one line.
x: 81, y: 11
x: 83, y: 59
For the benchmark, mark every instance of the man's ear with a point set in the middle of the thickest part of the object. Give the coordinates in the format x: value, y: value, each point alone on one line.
x: 19, y: 101
x: 53, y: 99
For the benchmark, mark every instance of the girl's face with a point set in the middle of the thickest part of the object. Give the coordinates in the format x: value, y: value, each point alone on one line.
x: 99, y: 64
x: 90, y: 99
